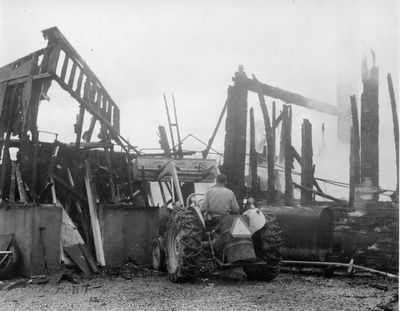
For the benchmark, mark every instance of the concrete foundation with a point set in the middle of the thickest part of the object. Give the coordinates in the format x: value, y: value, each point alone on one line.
x: 128, y: 233
x: 25, y: 221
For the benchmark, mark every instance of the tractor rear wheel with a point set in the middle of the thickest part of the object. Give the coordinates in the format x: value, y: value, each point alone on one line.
x: 266, y: 245
x: 183, y: 245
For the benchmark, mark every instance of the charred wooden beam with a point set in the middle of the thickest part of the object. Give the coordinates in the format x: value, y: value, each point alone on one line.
x: 324, y: 195
x: 354, y: 151
x: 370, y: 124
x: 11, y: 196
x: 296, y: 155
x: 107, y: 153
x: 164, y: 141
x: 269, y: 131
x: 395, y: 128
x: 287, y: 139
x: 307, y: 176
x: 235, y: 137
x: 288, y: 97
x: 9, y: 111
x: 253, y: 157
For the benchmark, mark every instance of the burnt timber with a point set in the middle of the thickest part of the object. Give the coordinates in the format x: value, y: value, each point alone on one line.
x: 39, y: 179
x: 364, y: 229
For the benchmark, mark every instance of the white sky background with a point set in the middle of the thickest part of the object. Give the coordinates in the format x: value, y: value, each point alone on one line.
x: 141, y: 49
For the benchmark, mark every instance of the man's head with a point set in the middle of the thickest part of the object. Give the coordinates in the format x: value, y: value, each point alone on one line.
x: 221, y: 180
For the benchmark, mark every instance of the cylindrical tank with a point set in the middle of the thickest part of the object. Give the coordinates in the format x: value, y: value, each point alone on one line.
x: 307, y: 231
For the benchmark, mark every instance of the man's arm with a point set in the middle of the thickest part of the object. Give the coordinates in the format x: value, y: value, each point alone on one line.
x: 234, y: 205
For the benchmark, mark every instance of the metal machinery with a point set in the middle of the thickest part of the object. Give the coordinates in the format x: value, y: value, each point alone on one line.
x: 188, y: 238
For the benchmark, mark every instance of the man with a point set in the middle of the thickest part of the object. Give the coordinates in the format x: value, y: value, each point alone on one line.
x: 220, y: 200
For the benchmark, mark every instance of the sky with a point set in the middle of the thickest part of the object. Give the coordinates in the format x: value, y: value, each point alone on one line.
x: 142, y: 49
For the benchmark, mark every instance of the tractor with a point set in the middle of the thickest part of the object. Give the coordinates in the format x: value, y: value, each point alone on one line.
x: 189, y: 239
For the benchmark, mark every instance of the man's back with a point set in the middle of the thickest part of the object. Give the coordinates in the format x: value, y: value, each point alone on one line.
x: 220, y: 201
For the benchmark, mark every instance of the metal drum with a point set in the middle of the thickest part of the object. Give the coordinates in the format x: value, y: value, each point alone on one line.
x: 307, y: 232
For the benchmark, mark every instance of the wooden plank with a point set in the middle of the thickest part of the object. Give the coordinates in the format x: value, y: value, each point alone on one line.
x: 34, y: 109
x: 315, y: 182
x: 89, y: 258
x: 86, y: 91
x: 77, y: 256
x: 64, y: 68
x: 270, y: 148
x: 79, y: 84
x: 5, y: 241
x: 98, y: 243
x: 11, y: 196
x: 116, y: 118
x: 296, y: 155
x: 92, y: 94
x: 288, y: 97
x: 278, y: 120
x: 20, y: 183
x: 78, y: 206
x: 72, y: 75
x: 307, y: 176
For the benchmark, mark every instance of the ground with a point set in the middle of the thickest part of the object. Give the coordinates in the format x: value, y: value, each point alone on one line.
x: 152, y: 291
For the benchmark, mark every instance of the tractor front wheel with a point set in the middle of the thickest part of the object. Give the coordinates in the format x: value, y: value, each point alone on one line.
x: 183, y: 245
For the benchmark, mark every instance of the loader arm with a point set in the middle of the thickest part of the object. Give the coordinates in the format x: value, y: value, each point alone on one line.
x: 170, y: 169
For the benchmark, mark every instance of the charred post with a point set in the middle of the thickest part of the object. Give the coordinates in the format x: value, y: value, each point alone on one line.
x: 269, y: 131
x: 354, y: 151
x: 307, y: 176
x: 253, y: 157
x: 370, y: 123
x: 235, y: 137
x: 288, y: 154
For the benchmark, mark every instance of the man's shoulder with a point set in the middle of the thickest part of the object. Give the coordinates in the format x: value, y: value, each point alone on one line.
x: 221, y: 189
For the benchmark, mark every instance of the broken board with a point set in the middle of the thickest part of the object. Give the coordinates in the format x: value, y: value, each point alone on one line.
x: 75, y: 253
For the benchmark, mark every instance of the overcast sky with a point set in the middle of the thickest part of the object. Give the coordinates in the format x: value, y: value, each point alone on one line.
x: 141, y: 49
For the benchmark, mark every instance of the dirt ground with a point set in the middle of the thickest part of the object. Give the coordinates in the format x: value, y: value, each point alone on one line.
x: 153, y: 291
